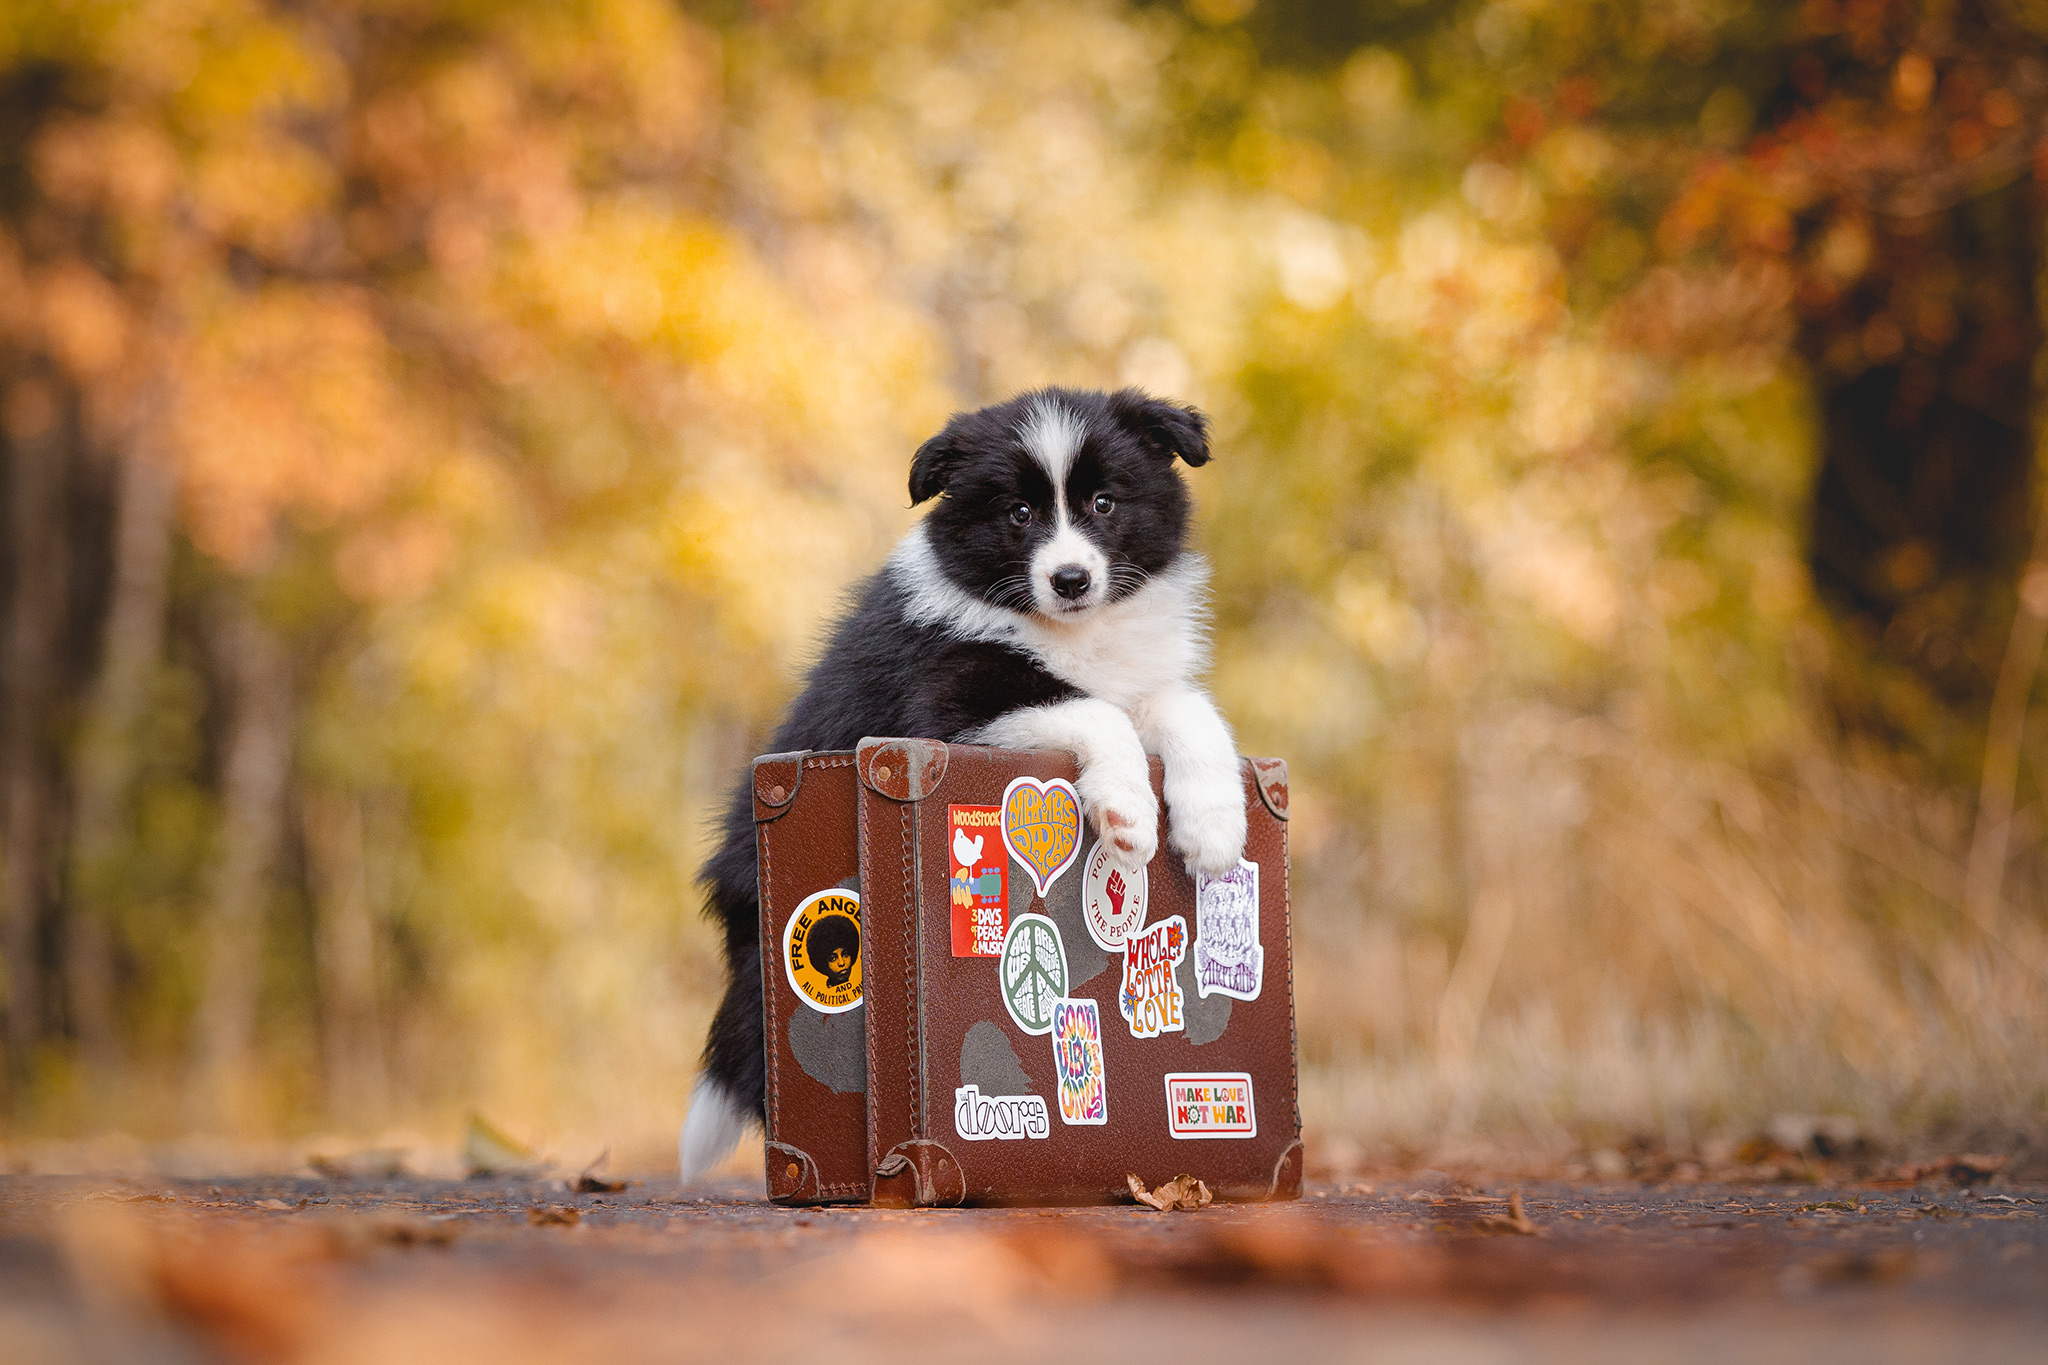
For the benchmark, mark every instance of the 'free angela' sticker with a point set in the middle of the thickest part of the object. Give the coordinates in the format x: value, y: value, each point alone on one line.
x: 1033, y: 971
x: 1112, y: 900
x: 821, y: 951
x: 980, y: 865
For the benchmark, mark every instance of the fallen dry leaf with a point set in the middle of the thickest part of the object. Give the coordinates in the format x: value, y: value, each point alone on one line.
x: 553, y: 1216
x: 588, y: 1181
x: 1181, y: 1192
x: 1512, y: 1223
x: 277, y: 1204
x: 489, y: 1150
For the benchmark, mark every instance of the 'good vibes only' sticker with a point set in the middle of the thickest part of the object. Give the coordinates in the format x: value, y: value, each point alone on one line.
x: 821, y: 951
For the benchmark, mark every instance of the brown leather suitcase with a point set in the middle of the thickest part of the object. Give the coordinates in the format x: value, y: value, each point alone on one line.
x: 815, y: 1030
x: 1040, y: 1027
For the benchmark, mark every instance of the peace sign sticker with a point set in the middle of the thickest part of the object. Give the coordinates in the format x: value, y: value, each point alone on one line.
x: 1034, y: 972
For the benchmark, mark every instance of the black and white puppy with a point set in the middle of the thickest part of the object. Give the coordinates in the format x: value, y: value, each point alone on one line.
x: 1047, y: 601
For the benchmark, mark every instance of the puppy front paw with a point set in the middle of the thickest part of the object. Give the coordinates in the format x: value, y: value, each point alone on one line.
x: 1124, y: 812
x: 1206, y: 825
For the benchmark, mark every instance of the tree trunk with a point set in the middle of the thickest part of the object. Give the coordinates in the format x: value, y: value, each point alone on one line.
x: 36, y: 430
x: 257, y: 675
x: 105, y: 765
x: 345, y: 946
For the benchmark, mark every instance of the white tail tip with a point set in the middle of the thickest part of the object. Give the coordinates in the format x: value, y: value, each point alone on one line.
x: 712, y: 1128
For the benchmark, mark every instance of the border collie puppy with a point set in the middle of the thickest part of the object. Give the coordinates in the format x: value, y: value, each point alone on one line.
x: 1047, y: 601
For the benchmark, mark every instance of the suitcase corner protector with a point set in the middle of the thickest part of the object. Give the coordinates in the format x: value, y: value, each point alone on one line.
x: 901, y: 769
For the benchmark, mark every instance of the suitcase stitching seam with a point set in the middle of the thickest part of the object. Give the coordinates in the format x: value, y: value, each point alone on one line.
x: 767, y: 918
x: 910, y: 971
x: 1287, y: 919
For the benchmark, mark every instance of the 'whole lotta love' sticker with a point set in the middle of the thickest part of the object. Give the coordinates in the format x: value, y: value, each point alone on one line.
x: 1151, y: 998
x: 821, y: 951
x: 980, y: 864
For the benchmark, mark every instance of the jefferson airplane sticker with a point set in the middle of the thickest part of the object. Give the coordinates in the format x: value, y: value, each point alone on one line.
x: 1228, y: 957
x: 821, y: 951
x: 1210, y: 1104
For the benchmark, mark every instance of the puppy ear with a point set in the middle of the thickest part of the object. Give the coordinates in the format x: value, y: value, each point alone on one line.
x: 1167, y: 429
x: 935, y: 462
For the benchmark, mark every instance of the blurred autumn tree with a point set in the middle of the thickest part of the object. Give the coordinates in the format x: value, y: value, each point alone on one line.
x: 435, y: 432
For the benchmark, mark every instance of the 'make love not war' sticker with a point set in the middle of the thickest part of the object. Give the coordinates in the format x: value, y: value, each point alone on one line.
x: 1210, y: 1104
x: 821, y: 951
x: 1042, y: 827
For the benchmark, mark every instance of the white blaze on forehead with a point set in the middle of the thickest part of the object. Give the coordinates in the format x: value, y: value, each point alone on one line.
x: 1052, y: 432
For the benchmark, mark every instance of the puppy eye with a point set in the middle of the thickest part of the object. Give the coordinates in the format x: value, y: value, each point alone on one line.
x: 1104, y: 504
x: 1021, y: 514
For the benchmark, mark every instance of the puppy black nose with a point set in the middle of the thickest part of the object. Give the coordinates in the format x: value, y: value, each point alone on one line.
x: 1070, y: 581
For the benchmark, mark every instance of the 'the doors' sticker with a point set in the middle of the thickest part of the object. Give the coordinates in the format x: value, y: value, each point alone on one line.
x: 1112, y: 900
x: 1150, y: 999
x: 1042, y: 826
x: 1210, y: 1104
x: 980, y: 864
x: 821, y: 951
x: 1228, y: 957
x: 979, y: 1118
x: 1077, y: 1055
x: 1033, y: 971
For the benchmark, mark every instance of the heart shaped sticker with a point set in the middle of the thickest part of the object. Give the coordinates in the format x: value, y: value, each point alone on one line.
x: 1042, y: 827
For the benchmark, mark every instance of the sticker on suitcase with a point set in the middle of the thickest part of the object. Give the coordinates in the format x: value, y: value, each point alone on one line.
x: 1150, y: 999
x: 821, y: 951
x: 982, y: 1118
x: 1042, y: 827
x: 1228, y: 957
x: 1112, y: 900
x: 1033, y: 971
x: 1210, y: 1104
x: 980, y: 865
x: 1077, y: 1055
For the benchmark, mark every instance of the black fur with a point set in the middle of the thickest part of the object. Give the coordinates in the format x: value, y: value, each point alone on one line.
x: 884, y: 675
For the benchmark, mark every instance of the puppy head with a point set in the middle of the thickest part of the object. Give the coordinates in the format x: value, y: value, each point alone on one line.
x: 1059, y: 500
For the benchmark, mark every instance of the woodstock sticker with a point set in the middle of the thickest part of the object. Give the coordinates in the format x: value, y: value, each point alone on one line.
x: 1042, y: 827
x: 1228, y: 957
x: 981, y: 887
x: 1151, y: 1000
x: 1077, y: 1055
x: 982, y: 1118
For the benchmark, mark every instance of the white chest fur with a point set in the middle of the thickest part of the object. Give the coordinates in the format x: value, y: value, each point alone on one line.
x: 1122, y: 653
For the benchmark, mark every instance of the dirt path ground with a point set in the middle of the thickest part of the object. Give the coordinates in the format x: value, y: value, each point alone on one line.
x: 1421, y: 1268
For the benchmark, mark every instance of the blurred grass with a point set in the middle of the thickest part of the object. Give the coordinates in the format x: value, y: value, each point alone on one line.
x: 532, y: 379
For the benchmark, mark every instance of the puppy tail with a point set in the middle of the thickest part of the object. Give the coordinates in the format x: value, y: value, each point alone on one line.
x: 712, y: 1128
